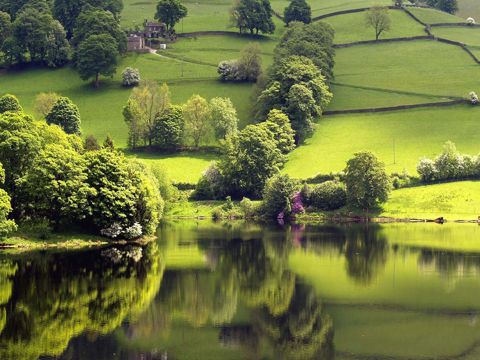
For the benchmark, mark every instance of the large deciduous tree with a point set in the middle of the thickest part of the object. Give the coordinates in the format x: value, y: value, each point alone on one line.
x: 224, y: 117
x: 6, y: 225
x: 65, y: 114
x: 170, y: 12
x: 367, y: 181
x: 378, y: 18
x: 253, y: 15
x: 95, y: 56
x: 5, y: 27
x: 169, y: 128
x: 297, y: 10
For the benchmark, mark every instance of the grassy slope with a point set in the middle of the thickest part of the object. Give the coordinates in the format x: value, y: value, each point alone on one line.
x: 390, y: 66
x: 321, y: 7
x: 433, y: 16
x: 454, y: 201
x: 351, y: 27
x: 465, y: 35
x: 417, y: 133
x: 469, y: 8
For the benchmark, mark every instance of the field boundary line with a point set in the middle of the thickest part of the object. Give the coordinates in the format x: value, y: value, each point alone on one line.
x: 350, y: 11
x: 380, y: 41
x: 396, y: 108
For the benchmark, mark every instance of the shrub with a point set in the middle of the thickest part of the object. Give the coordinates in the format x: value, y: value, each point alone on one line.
x: 211, y: 184
x: 130, y: 77
x: 276, y: 196
x: 228, y: 70
x: 330, y: 195
x: 470, y: 21
x: 250, y: 63
x: 248, y: 208
x: 473, y: 98
x: 169, y: 128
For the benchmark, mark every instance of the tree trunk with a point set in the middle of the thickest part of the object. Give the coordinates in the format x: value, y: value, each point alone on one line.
x: 97, y: 80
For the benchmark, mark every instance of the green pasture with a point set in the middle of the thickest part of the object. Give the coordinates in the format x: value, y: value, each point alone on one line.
x: 351, y: 27
x: 466, y: 35
x: 202, y: 15
x: 322, y: 7
x: 101, y: 109
x: 211, y: 49
x: 348, y: 97
x: 423, y: 67
x: 185, y: 167
x: 454, y: 201
x: 406, y: 135
x: 433, y: 16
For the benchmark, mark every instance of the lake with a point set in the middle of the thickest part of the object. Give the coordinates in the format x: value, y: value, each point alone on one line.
x: 238, y: 290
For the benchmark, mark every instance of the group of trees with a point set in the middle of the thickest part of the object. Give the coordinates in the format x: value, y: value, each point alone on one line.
x: 449, y: 6
x: 249, y: 158
x: 50, y: 176
x: 42, y: 32
x: 297, y: 10
x: 449, y: 165
x: 253, y: 16
x: 298, y: 80
x: 154, y: 121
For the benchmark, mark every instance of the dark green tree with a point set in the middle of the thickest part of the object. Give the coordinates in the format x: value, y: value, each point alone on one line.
x: 9, y: 102
x: 297, y: 10
x: 57, y: 51
x: 251, y: 157
x: 253, y: 15
x: 97, y: 56
x: 169, y: 128
x: 170, y: 12
x: 367, y: 181
x: 65, y: 114
x: 98, y: 22
x: 276, y: 196
x: 5, y: 27
x: 279, y: 125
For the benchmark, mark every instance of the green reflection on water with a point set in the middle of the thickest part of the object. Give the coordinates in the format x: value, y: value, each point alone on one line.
x: 249, y: 291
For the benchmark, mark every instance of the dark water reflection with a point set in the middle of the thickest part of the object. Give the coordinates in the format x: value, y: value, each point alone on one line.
x: 246, y: 291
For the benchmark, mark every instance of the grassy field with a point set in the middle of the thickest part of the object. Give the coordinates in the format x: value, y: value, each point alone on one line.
x: 322, y: 7
x: 454, y: 201
x: 390, y: 66
x: 433, y: 16
x: 416, y: 133
x: 101, y: 109
x: 351, y: 27
x: 465, y: 35
x: 185, y: 167
x: 213, y: 49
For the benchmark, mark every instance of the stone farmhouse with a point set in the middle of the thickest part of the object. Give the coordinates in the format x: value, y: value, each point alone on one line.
x: 137, y: 40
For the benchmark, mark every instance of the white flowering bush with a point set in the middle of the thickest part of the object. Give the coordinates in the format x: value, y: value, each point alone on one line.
x: 471, y: 21
x: 228, y: 70
x: 473, y: 98
x: 130, y: 77
x: 134, y: 231
x: 113, y: 231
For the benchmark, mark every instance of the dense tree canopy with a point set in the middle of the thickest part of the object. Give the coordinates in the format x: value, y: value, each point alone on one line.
x: 224, y: 117
x: 298, y: 10
x: 6, y: 225
x: 170, y: 12
x: 449, y: 6
x: 97, y: 55
x: 253, y: 15
x: 169, y: 128
x: 367, y: 181
x: 98, y: 22
x: 9, y: 102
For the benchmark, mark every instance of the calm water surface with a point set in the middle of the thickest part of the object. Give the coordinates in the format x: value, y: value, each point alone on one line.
x: 247, y: 291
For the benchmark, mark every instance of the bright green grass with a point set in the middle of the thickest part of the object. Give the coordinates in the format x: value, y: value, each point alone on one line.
x: 454, y: 201
x: 465, y: 35
x: 101, y: 109
x: 213, y: 49
x: 351, y: 27
x: 203, y: 15
x: 348, y: 97
x: 411, y: 66
x: 321, y: 7
x: 417, y: 133
x: 186, y: 167
x: 433, y: 16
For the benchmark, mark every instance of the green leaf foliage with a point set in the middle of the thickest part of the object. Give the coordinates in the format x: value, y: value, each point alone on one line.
x: 170, y: 12
x: 297, y: 10
x: 169, y: 128
x: 9, y: 103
